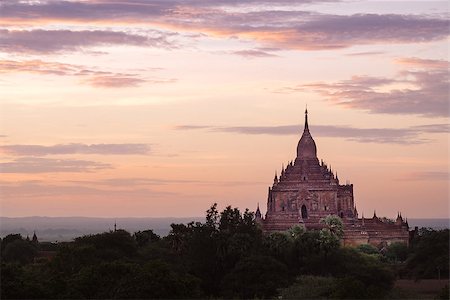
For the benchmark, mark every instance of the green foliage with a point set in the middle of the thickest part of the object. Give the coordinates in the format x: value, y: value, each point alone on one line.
x: 110, y: 245
x: 334, y: 224
x: 20, y: 251
x: 397, y: 252
x: 8, y: 239
x: 227, y: 256
x: 367, y: 249
x: 350, y: 274
x: 255, y: 277
x: 429, y: 256
x: 310, y: 287
x: 296, y: 231
x: 145, y: 237
x: 121, y: 280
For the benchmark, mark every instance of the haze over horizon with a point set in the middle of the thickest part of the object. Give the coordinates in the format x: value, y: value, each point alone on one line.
x: 160, y: 108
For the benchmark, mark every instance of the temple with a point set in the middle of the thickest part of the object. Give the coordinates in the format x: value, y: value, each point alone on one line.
x: 308, y: 190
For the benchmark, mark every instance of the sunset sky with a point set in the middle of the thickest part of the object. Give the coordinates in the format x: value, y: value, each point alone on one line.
x: 161, y: 108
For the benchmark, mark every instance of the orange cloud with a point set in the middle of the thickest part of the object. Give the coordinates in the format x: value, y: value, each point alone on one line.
x: 424, y: 63
x: 92, y: 77
x: 402, y: 136
x: 427, y: 97
x: 54, y: 41
x: 289, y: 29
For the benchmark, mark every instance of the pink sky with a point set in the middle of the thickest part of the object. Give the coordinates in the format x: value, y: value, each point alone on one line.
x: 161, y: 108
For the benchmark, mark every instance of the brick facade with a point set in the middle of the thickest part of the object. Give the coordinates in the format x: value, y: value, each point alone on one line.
x: 308, y: 190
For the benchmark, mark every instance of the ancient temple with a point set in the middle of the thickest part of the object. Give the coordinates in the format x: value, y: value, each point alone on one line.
x: 308, y: 190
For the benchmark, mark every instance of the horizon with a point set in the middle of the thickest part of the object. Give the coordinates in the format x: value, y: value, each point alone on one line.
x: 60, y: 229
x: 159, y: 109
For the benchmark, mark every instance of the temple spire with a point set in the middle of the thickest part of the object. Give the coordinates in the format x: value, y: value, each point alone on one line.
x: 306, y: 119
x: 258, y: 212
x: 306, y: 148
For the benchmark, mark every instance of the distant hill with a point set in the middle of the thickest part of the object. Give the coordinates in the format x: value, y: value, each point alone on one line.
x: 67, y: 228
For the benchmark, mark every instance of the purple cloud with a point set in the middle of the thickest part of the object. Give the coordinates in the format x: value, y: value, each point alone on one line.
x: 404, y: 136
x: 133, y: 182
x: 426, y: 175
x: 25, y: 189
x: 92, y: 77
x: 430, y: 99
x: 39, y: 41
x: 266, y: 23
x: 428, y: 95
x: 76, y: 148
x: 253, y: 53
x: 45, y: 165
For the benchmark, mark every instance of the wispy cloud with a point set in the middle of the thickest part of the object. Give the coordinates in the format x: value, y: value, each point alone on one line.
x: 39, y: 41
x: 114, y: 81
x: 410, y: 135
x: 253, y: 53
x: 136, y: 182
x: 282, y: 24
x: 424, y: 63
x: 426, y: 92
x: 25, y: 189
x: 76, y: 148
x: 426, y: 176
x: 366, y: 53
x: 93, y: 77
x: 46, y: 165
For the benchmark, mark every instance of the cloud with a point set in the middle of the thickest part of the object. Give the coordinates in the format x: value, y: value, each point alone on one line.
x: 76, y: 148
x: 45, y: 165
x: 253, y: 53
x: 114, y: 81
x: 410, y: 135
x: 95, y: 78
x: 39, y: 41
x: 190, y: 127
x: 274, y: 23
x: 300, y: 30
x: 136, y: 182
x: 426, y: 176
x: 130, y: 11
x: 367, y: 53
x: 420, y: 92
x: 34, y: 189
x: 424, y: 63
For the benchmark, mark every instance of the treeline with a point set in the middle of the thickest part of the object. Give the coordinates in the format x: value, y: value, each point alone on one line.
x: 227, y: 256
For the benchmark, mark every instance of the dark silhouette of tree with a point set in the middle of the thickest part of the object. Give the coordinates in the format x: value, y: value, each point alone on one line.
x: 226, y: 256
x: 145, y: 237
x: 255, y: 277
x: 429, y: 256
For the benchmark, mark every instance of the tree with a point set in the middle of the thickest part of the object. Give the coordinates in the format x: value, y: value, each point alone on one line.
x: 124, y: 280
x: 20, y: 251
x: 8, y: 239
x: 429, y: 256
x: 255, y: 277
x: 310, y: 287
x: 397, y: 252
x: 334, y: 224
x: 296, y: 231
x: 145, y: 237
x: 367, y: 249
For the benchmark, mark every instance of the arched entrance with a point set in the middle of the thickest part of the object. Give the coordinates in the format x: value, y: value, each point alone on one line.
x: 304, y: 212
